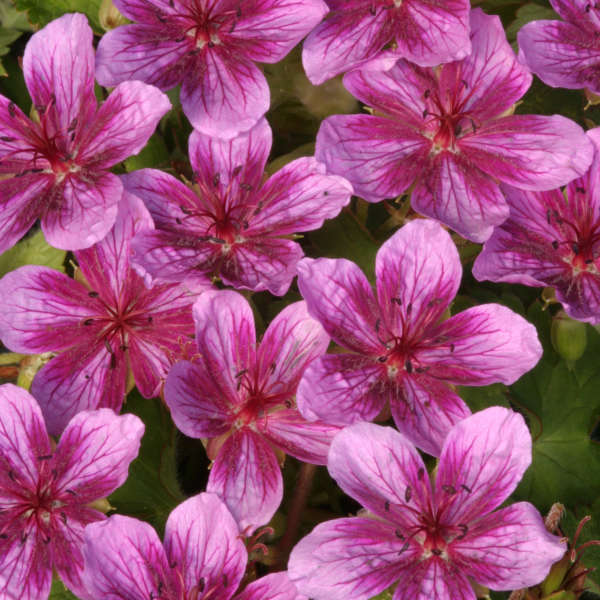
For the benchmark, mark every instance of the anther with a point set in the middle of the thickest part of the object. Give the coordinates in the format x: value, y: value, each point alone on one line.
x: 216, y: 179
x: 466, y: 488
x: 449, y: 489
x: 11, y: 110
x: 555, y: 245
x: 408, y: 494
x: 408, y: 367
x: 93, y: 294
x: 386, y: 506
x: 420, y: 473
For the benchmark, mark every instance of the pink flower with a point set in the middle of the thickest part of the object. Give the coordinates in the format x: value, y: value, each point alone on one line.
x: 59, y: 165
x: 100, y: 329
x: 565, y: 53
x: 402, y: 353
x: 209, y: 46
x: 243, y: 394
x: 552, y: 241
x: 45, y: 490
x: 203, y: 558
x: 448, y: 132
x: 430, y: 541
x: 234, y: 224
x: 423, y: 32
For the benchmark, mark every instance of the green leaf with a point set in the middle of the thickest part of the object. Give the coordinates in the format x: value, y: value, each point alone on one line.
x: 151, y: 491
x: 33, y: 250
x: 60, y: 592
x: 525, y: 14
x: 41, y: 12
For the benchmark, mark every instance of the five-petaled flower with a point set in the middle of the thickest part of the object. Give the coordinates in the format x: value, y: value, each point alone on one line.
x: 203, y: 558
x: 425, y: 33
x: 402, y: 353
x: 447, y: 131
x: 56, y: 168
x: 551, y: 239
x: 430, y: 541
x: 232, y: 223
x: 243, y: 395
x: 46, y: 490
x: 209, y: 47
x: 101, y: 329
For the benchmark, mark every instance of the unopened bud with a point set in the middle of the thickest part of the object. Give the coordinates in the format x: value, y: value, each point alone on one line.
x: 556, y: 576
x: 109, y: 16
x: 569, y: 337
x: 102, y: 505
x: 592, y: 99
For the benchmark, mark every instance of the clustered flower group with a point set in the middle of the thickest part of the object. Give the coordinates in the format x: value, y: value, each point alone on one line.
x: 441, y: 81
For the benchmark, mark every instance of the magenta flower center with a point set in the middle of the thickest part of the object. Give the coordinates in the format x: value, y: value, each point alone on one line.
x: 206, y: 29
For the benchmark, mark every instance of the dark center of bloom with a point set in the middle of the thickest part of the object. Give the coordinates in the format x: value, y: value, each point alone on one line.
x: 206, y: 28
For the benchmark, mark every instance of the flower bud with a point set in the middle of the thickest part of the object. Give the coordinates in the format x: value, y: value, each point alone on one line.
x: 109, y: 16
x: 569, y: 337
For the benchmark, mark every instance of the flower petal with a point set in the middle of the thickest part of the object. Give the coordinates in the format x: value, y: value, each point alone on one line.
x: 509, y: 549
x: 339, y: 295
x: 150, y: 11
x: 387, y: 477
x: 203, y: 539
x: 379, y: 157
x: 224, y: 94
x: 341, y: 389
x: 83, y: 210
x: 94, y: 452
x: 23, y: 439
x: 123, y: 124
x: 418, y: 273
x: 147, y: 52
x: 247, y: 477
x: 482, y: 461
x: 58, y: 66
x: 483, y: 345
x: 299, y: 197
x: 305, y: 440
x: 275, y: 586
x: 124, y: 559
x: 349, y: 558
x: 531, y: 152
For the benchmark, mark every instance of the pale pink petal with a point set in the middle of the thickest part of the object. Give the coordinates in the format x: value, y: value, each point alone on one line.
x: 342, y: 389
x: 346, y: 38
x: 83, y: 209
x: 380, y: 158
x: 454, y: 191
x: 291, y: 342
x: 151, y: 11
x: 231, y: 167
x: 305, y: 440
x: 491, y: 79
x: 125, y: 560
x: 350, y: 558
x: 23, y: 439
x: 148, y: 52
x: 482, y: 345
x: 43, y: 310
x: 387, y: 476
x: 424, y: 410
x: 508, y: 549
x: 58, y: 65
x: 482, y: 461
x: 94, y: 452
x: 577, y: 11
x: 247, y: 477
x: 262, y: 263
x: 84, y: 377
x: 434, y: 578
x: 531, y: 152
x: 199, y: 400
x: 123, y: 124
x: 17, y: 135
x: 267, y: 31
x: 224, y: 94
x: 418, y: 273
x: 203, y: 540
x: 299, y: 197
x: 275, y: 586
x: 339, y: 295
x: 561, y: 54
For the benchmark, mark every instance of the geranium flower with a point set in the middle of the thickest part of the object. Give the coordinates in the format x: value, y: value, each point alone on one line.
x: 243, y: 395
x: 209, y: 46
x: 46, y: 490
x: 59, y: 164
x: 564, y: 54
x: 448, y: 132
x: 100, y: 328
x: 232, y: 224
x: 203, y: 558
x: 402, y: 353
x: 550, y: 240
x: 423, y: 32
x: 430, y: 541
